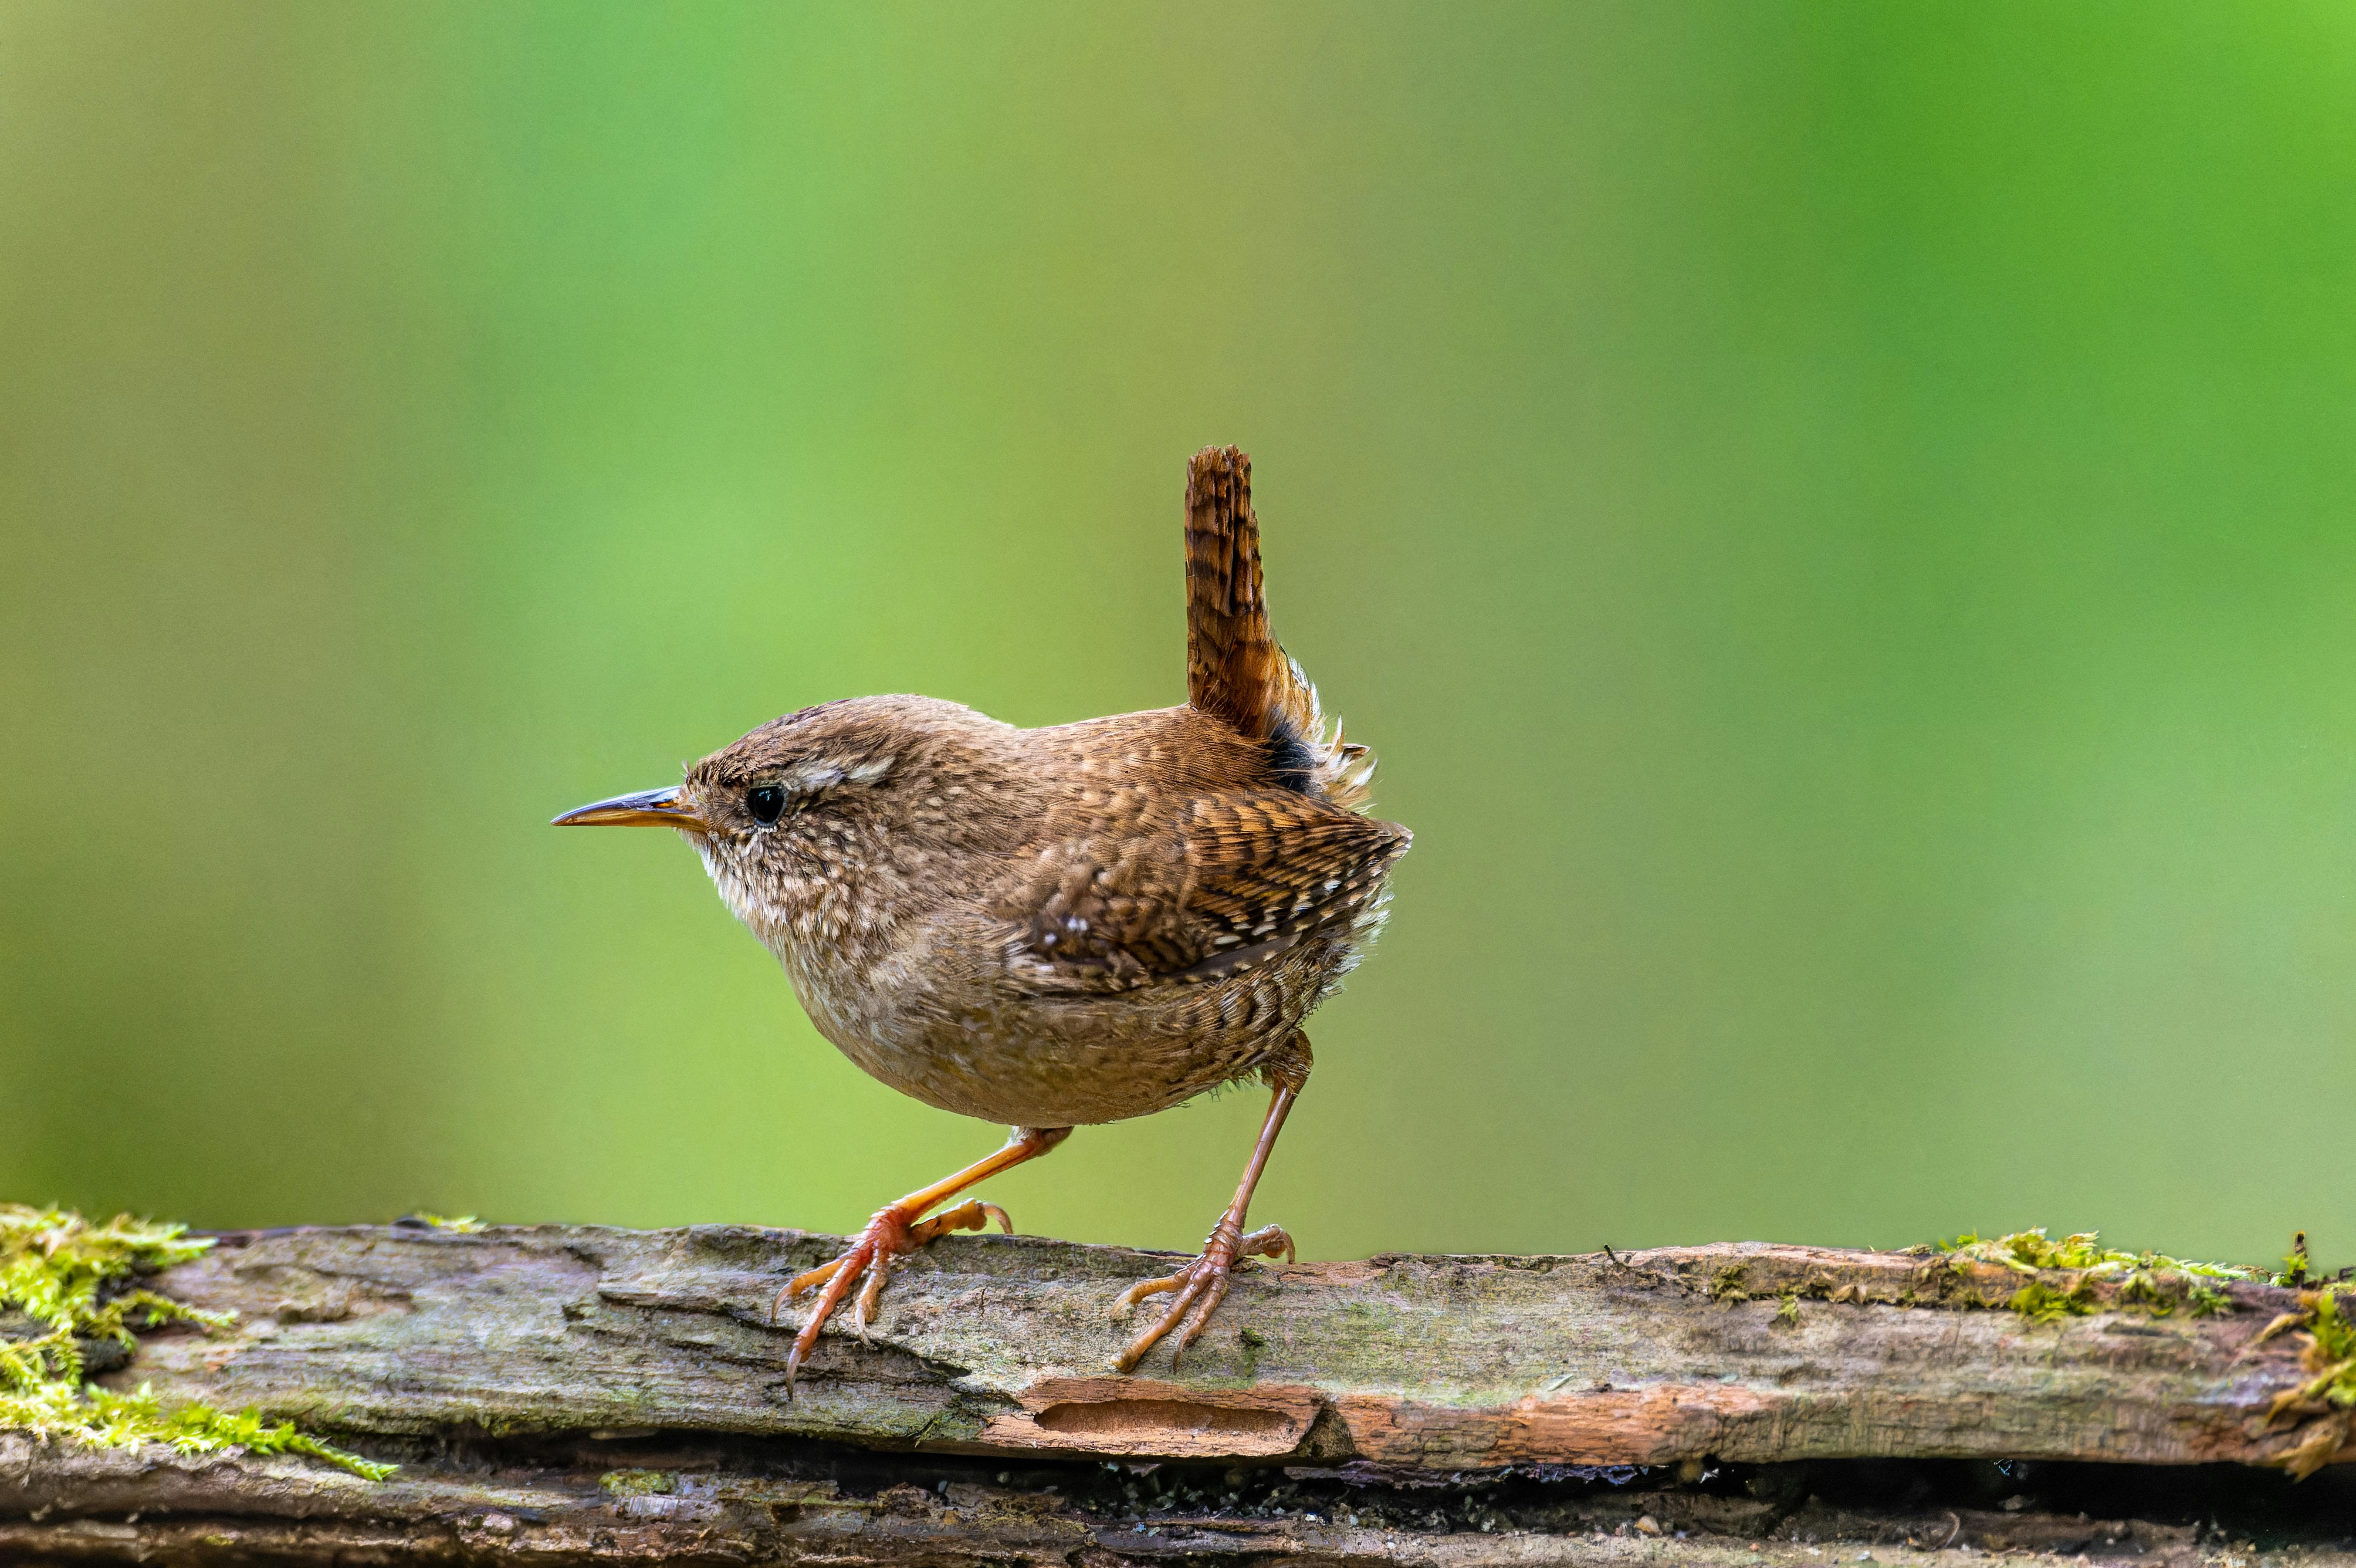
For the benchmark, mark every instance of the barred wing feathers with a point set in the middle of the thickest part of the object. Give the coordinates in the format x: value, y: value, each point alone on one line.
x: 1217, y: 885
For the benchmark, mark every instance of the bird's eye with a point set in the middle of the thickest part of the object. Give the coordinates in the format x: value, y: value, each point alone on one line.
x: 766, y: 802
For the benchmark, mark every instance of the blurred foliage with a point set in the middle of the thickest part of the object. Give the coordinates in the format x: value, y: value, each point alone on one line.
x: 1837, y: 518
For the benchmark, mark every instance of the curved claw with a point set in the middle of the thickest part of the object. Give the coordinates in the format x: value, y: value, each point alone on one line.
x: 870, y: 1258
x: 1143, y: 1288
x: 1267, y: 1242
x: 863, y: 1309
x: 974, y: 1216
x: 811, y: 1280
x: 1201, y: 1285
x: 894, y: 1231
x: 889, y: 1235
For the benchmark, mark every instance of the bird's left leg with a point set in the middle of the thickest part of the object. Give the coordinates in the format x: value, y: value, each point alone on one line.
x: 1201, y: 1285
x: 898, y: 1229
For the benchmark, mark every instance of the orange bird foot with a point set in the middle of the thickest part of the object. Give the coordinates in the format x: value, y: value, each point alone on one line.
x: 1201, y: 1285
x: 893, y: 1233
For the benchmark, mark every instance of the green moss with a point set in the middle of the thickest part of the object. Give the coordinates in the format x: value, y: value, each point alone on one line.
x: 464, y: 1225
x: 2153, y: 1283
x: 1788, y: 1314
x: 2041, y: 1302
x: 2331, y: 1356
x: 1727, y: 1284
x: 67, y: 1276
x: 2031, y: 1250
x: 2329, y: 1391
x: 637, y: 1483
x: 72, y: 1280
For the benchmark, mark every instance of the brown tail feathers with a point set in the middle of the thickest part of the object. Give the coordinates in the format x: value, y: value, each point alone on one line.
x: 1235, y: 668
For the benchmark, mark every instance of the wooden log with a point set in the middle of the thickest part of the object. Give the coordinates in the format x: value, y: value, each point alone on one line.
x: 681, y: 1500
x: 518, y: 1371
x: 1003, y: 1344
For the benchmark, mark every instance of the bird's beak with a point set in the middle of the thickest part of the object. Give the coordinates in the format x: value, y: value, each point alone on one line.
x: 649, y: 808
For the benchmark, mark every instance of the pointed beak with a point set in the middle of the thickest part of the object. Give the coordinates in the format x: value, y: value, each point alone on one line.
x: 649, y: 808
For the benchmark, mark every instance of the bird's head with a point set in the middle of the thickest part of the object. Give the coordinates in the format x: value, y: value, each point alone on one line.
x: 807, y: 824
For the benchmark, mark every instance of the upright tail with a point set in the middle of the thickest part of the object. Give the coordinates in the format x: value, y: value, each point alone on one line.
x: 1234, y: 666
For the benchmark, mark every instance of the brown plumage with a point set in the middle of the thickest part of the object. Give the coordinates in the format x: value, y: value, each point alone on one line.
x: 1235, y: 668
x: 1059, y: 926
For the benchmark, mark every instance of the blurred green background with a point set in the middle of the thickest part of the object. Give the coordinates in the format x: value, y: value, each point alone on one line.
x: 1838, y: 518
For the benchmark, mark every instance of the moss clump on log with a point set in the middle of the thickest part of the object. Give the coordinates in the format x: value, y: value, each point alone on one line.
x: 2326, y: 1401
x: 72, y: 1283
x: 2153, y: 1281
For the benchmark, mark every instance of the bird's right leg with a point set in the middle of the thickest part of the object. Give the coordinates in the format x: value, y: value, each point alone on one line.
x: 898, y: 1229
x: 1201, y: 1285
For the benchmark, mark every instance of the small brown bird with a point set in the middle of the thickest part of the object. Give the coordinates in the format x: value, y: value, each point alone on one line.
x: 1060, y: 926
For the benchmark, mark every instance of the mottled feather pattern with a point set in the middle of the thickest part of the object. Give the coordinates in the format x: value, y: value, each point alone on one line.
x: 1197, y: 890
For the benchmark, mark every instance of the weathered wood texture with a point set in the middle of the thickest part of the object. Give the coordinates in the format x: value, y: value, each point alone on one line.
x: 1001, y: 1344
x: 993, y: 1350
x: 683, y: 1500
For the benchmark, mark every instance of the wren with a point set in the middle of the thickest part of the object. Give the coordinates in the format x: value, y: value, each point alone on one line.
x: 1061, y: 926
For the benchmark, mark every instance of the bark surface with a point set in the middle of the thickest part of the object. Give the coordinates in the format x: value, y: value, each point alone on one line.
x: 563, y: 1393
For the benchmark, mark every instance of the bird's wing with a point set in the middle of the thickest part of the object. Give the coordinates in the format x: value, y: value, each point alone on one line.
x: 1212, y: 886
x: 1235, y: 668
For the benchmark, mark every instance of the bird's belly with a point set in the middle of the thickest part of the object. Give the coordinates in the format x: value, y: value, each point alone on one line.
x: 1034, y: 1078
x: 1027, y: 1060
